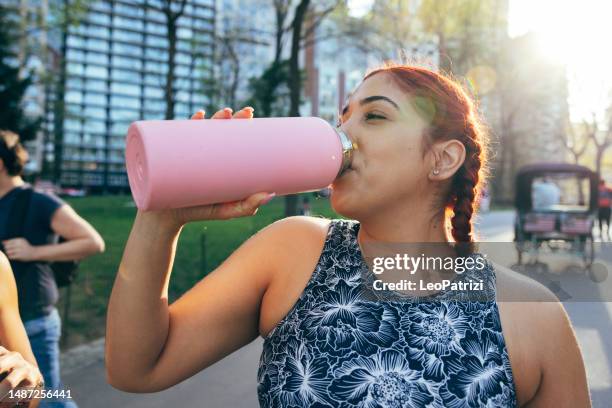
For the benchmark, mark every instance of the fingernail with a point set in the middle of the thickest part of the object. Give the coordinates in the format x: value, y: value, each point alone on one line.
x: 250, y: 108
x: 267, y: 199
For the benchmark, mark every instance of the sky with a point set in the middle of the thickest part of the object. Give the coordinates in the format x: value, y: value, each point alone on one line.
x: 577, y: 33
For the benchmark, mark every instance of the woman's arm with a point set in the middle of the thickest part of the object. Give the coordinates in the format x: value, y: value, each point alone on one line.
x: 545, y: 357
x: 18, y: 366
x: 563, y: 382
x: 150, y: 345
x: 12, y: 333
x: 82, y: 240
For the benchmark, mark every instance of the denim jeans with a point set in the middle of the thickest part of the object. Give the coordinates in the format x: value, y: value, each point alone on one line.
x: 44, y: 334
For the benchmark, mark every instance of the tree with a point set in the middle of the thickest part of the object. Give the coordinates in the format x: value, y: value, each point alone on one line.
x: 295, y: 78
x: 13, y: 84
x: 266, y: 91
x: 460, y: 27
x: 65, y: 14
x: 172, y: 11
x: 266, y: 96
x: 386, y: 28
x: 237, y: 37
x: 576, y: 140
x: 601, y: 139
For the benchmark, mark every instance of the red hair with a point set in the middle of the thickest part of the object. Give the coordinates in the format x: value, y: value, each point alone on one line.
x: 451, y: 114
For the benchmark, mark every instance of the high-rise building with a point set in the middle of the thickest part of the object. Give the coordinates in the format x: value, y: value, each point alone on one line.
x: 116, y: 71
x: 109, y: 69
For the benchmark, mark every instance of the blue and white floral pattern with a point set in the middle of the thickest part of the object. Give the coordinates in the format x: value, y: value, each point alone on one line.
x: 337, y: 348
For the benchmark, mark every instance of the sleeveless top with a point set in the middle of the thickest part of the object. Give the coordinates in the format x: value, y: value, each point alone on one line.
x: 336, y: 349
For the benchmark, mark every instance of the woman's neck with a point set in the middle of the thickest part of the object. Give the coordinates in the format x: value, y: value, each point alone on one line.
x: 7, y: 183
x: 404, y: 223
x: 414, y: 230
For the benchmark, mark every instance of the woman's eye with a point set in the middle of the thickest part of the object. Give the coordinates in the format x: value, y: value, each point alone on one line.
x: 373, y: 116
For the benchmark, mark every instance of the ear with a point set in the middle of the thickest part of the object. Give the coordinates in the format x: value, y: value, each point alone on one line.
x: 448, y: 158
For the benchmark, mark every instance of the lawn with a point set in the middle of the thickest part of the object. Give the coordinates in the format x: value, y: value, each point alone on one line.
x: 112, y: 216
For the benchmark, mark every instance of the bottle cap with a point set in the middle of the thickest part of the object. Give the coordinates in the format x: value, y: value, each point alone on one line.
x: 347, y: 150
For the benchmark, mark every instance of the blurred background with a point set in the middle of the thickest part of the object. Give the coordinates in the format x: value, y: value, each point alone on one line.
x: 76, y: 73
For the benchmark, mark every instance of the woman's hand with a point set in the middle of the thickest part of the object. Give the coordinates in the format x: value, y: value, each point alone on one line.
x: 15, y: 372
x: 219, y: 211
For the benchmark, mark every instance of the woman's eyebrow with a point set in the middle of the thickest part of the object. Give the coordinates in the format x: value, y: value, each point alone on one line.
x: 370, y: 99
x: 374, y: 98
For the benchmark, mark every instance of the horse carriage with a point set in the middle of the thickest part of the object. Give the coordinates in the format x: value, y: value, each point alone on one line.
x: 556, y: 207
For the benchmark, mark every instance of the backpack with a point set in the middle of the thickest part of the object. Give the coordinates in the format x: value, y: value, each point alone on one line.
x: 65, y: 272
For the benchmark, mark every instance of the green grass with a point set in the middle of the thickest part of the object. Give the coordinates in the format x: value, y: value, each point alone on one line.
x: 112, y: 216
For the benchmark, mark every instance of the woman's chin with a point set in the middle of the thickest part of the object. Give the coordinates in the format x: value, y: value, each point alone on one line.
x: 341, y: 202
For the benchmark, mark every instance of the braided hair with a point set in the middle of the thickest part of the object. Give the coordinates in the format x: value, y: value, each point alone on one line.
x: 450, y: 114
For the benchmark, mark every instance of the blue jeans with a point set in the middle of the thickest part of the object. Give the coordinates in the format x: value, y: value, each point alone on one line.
x: 44, y: 334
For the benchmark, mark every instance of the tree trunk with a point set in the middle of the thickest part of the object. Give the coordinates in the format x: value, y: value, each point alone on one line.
x: 294, y: 60
x: 281, y: 14
x: 59, y: 111
x: 295, y: 83
x: 169, y: 88
x: 599, y: 159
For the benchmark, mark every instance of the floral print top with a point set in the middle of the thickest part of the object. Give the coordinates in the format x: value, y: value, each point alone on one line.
x: 336, y: 349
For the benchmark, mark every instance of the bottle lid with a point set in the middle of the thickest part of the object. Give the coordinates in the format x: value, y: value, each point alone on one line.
x: 347, y: 150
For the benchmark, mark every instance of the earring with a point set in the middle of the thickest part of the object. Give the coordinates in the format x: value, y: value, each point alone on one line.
x: 436, y: 172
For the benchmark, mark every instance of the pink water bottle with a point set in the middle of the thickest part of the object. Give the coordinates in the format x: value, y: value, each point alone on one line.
x: 182, y: 163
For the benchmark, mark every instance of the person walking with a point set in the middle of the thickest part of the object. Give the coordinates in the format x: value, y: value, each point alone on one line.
x: 46, y: 218
x: 604, y: 207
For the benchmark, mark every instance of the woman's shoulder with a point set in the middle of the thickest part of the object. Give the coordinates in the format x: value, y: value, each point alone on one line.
x: 538, y: 333
x: 296, y: 231
x: 534, y: 304
x: 531, y: 311
x: 515, y: 287
x: 298, y: 227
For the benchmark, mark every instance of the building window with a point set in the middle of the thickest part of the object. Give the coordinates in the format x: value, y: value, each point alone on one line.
x: 153, y: 92
x: 127, y: 49
x: 125, y: 62
x: 74, y: 68
x: 125, y: 89
x: 94, y: 71
x: 125, y: 75
x: 124, y: 102
x: 97, y: 45
x: 99, y: 18
x: 96, y: 58
x: 130, y: 36
x: 74, y: 97
x: 95, y: 85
